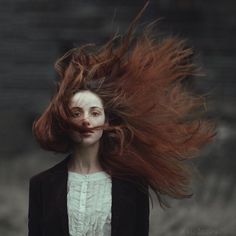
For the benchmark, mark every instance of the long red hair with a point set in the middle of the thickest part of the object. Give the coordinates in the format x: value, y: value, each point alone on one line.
x: 153, y: 118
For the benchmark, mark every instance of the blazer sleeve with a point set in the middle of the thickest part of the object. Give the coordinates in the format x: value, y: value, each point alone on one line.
x: 143, y: 211
x: 34, y: 208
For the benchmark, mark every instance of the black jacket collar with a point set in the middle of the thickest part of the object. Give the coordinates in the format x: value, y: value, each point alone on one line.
x: 122, y: 198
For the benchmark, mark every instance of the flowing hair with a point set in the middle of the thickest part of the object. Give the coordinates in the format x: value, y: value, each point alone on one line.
x: 154, y: 125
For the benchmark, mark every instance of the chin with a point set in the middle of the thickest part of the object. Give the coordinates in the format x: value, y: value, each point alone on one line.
x: 90, y: 140
x: 88, y: 143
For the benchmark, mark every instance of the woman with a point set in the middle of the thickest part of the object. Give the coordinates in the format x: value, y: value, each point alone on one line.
x: 128, y: 122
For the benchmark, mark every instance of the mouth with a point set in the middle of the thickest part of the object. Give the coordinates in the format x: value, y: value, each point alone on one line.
x: 86, y: 132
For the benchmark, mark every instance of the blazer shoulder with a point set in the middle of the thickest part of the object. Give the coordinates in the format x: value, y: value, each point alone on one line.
x: 136, y: 184
x: 60, y: 166
x: 139, y: 182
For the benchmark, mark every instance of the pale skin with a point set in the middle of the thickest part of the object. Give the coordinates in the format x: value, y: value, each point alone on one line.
x: 89, y: 112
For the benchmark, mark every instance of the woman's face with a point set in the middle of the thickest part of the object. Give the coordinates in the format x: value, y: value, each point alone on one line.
x: 88, y: 112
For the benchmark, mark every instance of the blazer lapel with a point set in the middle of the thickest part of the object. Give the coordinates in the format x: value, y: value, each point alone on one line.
x: 59, y: 187
x: 62, y: 203
x: 59, y: 179
x: 115, y: 210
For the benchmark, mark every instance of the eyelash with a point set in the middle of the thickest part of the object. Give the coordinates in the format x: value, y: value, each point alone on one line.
x: 96, y: 113
x: 76, y: 114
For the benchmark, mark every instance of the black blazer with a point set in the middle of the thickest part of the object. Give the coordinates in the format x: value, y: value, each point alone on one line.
x: 47, y: 210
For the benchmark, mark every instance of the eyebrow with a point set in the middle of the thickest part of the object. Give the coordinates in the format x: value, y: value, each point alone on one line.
x: 96, y: 107
x: 90, y: 107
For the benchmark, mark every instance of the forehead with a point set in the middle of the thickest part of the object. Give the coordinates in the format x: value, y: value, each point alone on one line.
x: 86, y: 98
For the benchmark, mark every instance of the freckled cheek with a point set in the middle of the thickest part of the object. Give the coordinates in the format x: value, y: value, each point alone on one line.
x: 97, y: 122
x: 98, y: 133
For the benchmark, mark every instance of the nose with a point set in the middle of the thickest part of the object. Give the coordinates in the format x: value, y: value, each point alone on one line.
x: 85, y: 122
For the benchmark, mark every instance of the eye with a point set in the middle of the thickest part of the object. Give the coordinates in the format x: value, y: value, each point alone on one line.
x: 95, y: 113
x: 76, y: 114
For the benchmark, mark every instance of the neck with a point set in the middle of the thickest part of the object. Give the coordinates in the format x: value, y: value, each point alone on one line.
x: 85, y: 159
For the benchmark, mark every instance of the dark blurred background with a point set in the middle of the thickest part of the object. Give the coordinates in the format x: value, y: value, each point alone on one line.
x: 34, y: 33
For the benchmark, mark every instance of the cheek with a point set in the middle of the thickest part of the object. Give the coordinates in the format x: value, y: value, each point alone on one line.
x: 75, y: 136
x: 98, y: 121
x: 97, y: 134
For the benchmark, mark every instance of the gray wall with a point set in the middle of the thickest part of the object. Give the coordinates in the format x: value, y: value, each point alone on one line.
x: 34, y: 33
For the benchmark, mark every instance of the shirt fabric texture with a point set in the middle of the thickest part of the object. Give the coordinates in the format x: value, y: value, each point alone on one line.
x: 89, y: 200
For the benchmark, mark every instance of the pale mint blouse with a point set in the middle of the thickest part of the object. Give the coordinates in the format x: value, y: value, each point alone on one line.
x: 89, y: 204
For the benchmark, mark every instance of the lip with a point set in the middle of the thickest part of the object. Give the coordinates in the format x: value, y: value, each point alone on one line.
x: 86, y: 134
